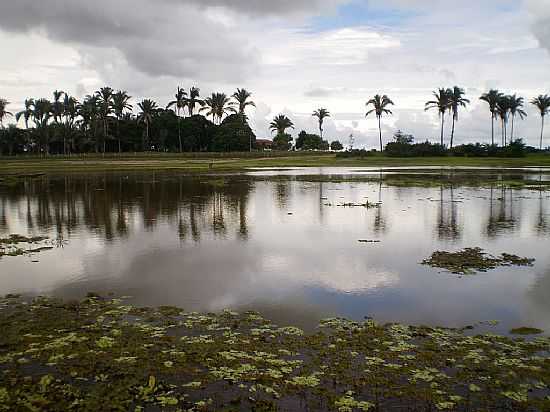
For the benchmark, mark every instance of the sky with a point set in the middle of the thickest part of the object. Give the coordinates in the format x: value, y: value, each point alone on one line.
x: 295, y: 56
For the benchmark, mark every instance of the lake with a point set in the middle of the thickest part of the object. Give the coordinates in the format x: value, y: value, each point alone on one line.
x: 286, y: 242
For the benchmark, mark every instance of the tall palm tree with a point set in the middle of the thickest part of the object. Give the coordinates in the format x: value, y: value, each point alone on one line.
x: 321, y: 115
x: 516, y: 109
x: 217, y: 106
x: 42, y: 112
x: 3, y: 111
x: 503, y: 109
x: 442, y: 103
x: 280, y: 123
x: 457, y: 101
x: 542, y: 103
x: 70, y: 112
x: 105, y: 101
x: 380, y: 106
x: 492, y: 97
x: 26, y: 113
x: 121, y: 103
x: 89, y: 113
x: 193, y: 100
x: 179, y: 103
x: 57, y: 106
x: 241, y: 97
x: 148, y: 109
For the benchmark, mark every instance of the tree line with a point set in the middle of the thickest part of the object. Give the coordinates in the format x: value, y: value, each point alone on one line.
x: 105, y: 122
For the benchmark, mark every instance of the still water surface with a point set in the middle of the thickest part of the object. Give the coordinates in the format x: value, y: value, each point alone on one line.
x: 278, y: 242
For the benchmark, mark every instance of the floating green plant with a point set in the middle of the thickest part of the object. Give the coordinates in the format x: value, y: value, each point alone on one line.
x: 101, y: 354
x: 471, y: 260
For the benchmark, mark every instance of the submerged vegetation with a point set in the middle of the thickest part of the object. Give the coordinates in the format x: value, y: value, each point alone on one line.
x: 12, y: 245
x: 471, y: 260
x: 101, y: 354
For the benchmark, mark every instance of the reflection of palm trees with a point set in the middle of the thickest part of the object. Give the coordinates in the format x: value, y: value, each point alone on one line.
x: 447, y: 222
x: 379, y: 220
x: 542, y: 224
x: 502, y: 218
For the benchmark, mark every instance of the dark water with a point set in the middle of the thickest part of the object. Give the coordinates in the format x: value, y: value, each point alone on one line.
x: 277, y: 242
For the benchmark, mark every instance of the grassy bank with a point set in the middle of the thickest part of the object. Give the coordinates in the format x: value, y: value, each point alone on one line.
x: 205, y: 162
x: 100, y: 354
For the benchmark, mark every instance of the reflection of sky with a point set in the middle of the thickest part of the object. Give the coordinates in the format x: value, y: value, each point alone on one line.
x: 301, y: 259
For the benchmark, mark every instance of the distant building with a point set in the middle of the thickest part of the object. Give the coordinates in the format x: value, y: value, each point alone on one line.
x: 264, y: 144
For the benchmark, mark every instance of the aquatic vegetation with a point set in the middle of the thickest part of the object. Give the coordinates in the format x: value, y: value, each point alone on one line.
x: 526, y: 331
x: 60, y: 356
x: 471, y: 260
x: 10, y: 246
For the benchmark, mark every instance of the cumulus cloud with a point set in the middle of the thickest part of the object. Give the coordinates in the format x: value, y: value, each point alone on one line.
x: 540, y: 10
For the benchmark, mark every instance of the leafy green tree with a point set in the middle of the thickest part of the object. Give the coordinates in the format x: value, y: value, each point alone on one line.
x: 148, y: 110
x: 321, y: 115
x: 282, y: 142
x: 179, y: 103
x: 492, y: 98
x: 516, y: 109
x: 121, y: 103
x: 442, y: 103
x: 193, y: 100
x: 307, y: 141
x: 336, y: 146
x: 3, y: 111
x: 403, y: 138
x: 542, y: 103
x: 242, y: 97
x: 280, y: 123
x: 233, y: 134
x: 457, y: 101
x: 380, y: 107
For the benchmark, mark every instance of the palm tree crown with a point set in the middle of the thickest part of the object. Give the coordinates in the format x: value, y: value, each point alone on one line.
x: 148, y: 110
x: 217, y: 106
x: 193, y: 100
x: 542, y: 103
x: 280, y: 123
x: 26, y: 113
x: 516, y: 109
x: 3, y: 111
x: 180, y: 101
x: 380, y: 106
x: 456, y: 101
x: 321, y: 115
x: 241, y: 97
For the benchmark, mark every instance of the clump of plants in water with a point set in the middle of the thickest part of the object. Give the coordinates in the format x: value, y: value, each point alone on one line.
x: 102, y: 354
x: 471, y: 260
x: 11, y: 246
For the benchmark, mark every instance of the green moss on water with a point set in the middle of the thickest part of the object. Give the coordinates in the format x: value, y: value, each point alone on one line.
x: 471, y: 260
x: 101, y: 354
x: 526, y: 331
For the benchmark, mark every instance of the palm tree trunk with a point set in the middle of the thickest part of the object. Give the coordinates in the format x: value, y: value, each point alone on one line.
x: 380, y: 132
x: 503, y: 143
x: 442, y: 126
x: 512, y: 131
x: 453, y: 132
x: 492, y: 130
x: 118, y: 134
x: 179, y: 132
x: 541, y: 132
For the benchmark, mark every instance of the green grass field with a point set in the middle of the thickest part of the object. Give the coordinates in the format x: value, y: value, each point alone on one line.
x: 205, y: 162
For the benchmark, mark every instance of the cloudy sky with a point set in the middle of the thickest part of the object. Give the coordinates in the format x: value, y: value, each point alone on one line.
x: 294, y: 55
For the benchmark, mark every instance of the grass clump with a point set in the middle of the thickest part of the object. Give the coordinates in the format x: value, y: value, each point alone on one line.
x: 101, y: 354
x: 526, y: 331
x: 471, y: 260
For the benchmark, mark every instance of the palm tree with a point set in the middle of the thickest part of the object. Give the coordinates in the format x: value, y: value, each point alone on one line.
x: 503, y: 107
x: 380, y: 104
x: 121, y: 103
x: 193, y: 100
x: 542, y: 103
x: 456, y: 101
x: 57, y: 106
x: 442, y: 103
x: 492, y: 98
x: 516, y: 109
x: 321, y: 115
x: 148, y: 109
x: 70, y: 112
x: 217, y: 106
x: 180, y: 102
x: 26, y: 113
x: 105, y: 101
x: 89, y: 112
x: 3, y: 112
x: 241, y: 96
x: 280, y: 123
x: 42, y: 112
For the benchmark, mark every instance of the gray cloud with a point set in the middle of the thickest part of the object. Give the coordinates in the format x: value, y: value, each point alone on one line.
x: 540, y: 10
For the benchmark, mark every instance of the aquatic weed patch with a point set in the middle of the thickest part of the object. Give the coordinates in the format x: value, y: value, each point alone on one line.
x: 101, y: 354
x: 18, y: 245
x: 471, y: 260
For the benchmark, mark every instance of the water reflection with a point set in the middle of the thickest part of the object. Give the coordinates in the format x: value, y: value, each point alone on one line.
x: 281, y: 244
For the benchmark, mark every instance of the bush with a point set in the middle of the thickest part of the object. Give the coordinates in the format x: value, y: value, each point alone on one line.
x: 336, y: 146
x: 307, y: 141
x: 282, y: 142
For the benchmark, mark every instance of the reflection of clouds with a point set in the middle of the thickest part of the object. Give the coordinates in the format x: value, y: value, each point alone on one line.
x: 538, y: 301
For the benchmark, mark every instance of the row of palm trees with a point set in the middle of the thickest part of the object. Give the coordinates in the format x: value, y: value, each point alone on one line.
x: 98, y: 110
x: 106, y: 104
